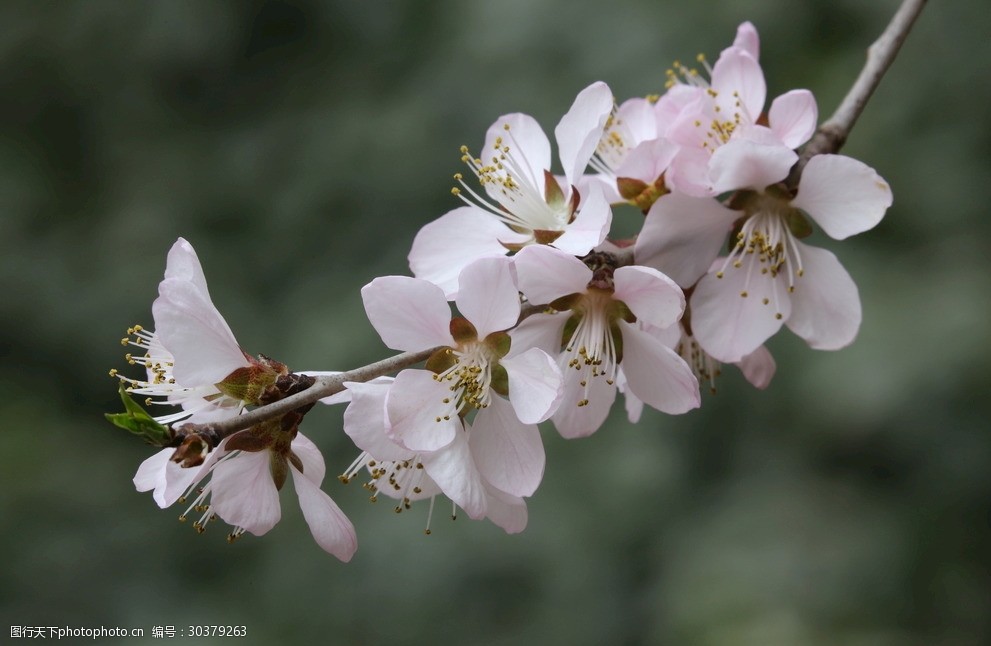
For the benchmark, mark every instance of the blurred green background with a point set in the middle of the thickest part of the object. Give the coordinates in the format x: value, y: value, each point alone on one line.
x: 299, y: 146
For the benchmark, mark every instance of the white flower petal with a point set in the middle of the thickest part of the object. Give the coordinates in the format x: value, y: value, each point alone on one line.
x: 580, y: 129
x: 572, y: 420
x: 535, y: 384
x: 506, y: 511
x: 546, y: 274
x: 826, y: 304
x: 447, y: 245
x: 738, y: 78
x: 743, y: 163
x: 844, y: 196
x: 190, y: 327
x: 528, y: 145
x: 759, y: 366
x: 331, y: 529
x: 656, y: 374
x: 590, y: 226
x: 184, y: 264
x: 409, y: 314
x: 365, y: 421
x: 539, y: 331
x: 311, y: 457
x: 649, y: 160
x: 747, y: 39
x: 730, y: 326
x: 488, y: 296
x: 413, y: 406
x: 651, y: 296
x: 454, y: 471
x: 633, y: 404
x: 243, y: 493
x: 507, y: 452
x: 793, y: 117
x: 682, y: 235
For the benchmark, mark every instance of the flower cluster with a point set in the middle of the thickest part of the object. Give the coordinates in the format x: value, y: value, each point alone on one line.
x: 551, y: 318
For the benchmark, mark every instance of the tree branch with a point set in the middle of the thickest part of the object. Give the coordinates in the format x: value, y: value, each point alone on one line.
x: 325, y: 386
x: 833, y: 133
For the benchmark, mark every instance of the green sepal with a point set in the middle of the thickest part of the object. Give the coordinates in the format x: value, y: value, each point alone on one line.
x: 630, y: 188
x: 279, y: 467
x: 500, y: 343
x: 462, y: 330
x: 136, y: 420
x: 500, y: 380
x: 565, y: 303
x: 248, y: 383
x: 617, y: 340
x: 798, y: 224
x: 552, y: 190
x: 569, y: 329
x: 440, y: 361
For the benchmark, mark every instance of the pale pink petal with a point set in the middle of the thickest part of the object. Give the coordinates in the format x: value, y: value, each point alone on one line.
x: 546, y: 274
x: 689, y: 173
x: 152, y: 475
x: 311, y: 457
x: 632, y: 403
x: 488, y: 296
x: 793, y: 117
x: 507, y: 452
x: 331, y: 529
x: 739, y: 84
x: 639, y: 117
x: 535, y: 384
x: 759, y: 366
x: 742, y: 163
x: 447, y: 245
x: 747, y: 39
x: 690, y: 128
x: 184, y: 264
x: 590, y: 226
x: 572, y: 420
x: 243, y: 493
x: 365, y: 421
x: 528, y: 147
x: 826, y: 304
x: 539, y: 331
x: 672, y: 103
x: 843, y: 195
x: 649, y: 160
x: 656, y: 374
x: 454, y: 471
x: 730, y: 326
x: 190, y: 327
x: 409, y: 314
x: 682, y: 235
x: 415, y: 410
x: 605, y: 184
x: 580, y: 129
x: 506, y: 511
x: 651, y: 296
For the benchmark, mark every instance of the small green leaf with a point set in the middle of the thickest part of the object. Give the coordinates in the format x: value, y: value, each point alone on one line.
x: 137, y: 421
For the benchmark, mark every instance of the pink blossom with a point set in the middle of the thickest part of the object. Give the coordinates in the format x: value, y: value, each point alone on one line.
x: 522, y: 202
x: 597, y: 319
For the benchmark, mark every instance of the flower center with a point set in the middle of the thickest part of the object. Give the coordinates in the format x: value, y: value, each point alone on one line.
x: 765, y: 246
x: 160, y: 386
x: 470, y: 378
x: 594, y: 345
x: 521, y: 204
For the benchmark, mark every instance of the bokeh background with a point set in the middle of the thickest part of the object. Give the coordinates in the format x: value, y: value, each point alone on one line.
x: 299, y: 146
